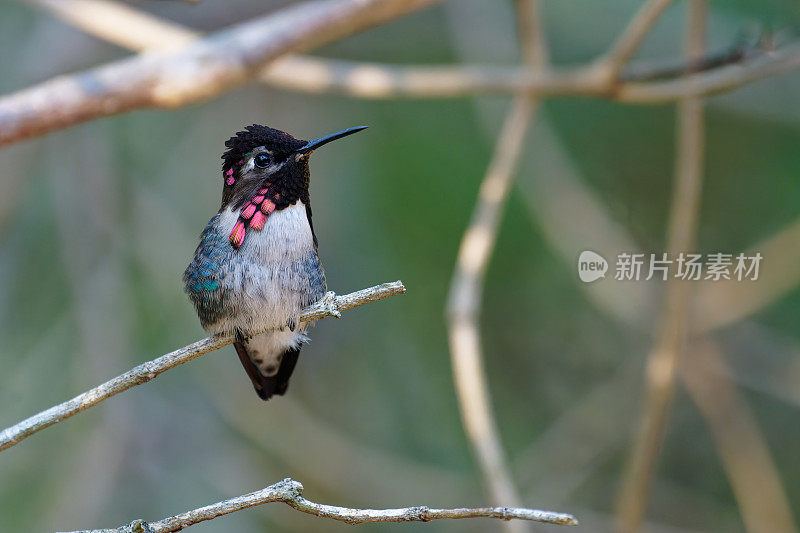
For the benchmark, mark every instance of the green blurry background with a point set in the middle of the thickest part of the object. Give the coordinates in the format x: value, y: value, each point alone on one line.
x: 97, y: 223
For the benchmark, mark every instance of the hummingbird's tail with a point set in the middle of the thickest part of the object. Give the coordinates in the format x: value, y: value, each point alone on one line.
x: 267, y: 386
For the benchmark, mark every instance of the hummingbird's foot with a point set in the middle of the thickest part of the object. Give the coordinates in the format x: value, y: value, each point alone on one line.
x: 292, y: 323
x: 329, y: 301
x: 241, y: 337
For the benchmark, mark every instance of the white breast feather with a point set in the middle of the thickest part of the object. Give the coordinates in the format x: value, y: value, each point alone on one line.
x: 264, y: 274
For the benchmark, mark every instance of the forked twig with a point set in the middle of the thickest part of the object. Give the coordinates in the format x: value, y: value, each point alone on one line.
x: 290, y: 492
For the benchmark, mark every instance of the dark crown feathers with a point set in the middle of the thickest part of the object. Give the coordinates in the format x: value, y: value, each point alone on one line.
x: 254, y: 136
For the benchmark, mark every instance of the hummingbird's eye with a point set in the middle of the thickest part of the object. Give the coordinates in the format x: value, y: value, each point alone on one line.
x: 262, y: 160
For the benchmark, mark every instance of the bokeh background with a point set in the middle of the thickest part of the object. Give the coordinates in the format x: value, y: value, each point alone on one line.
x: 97, y: 223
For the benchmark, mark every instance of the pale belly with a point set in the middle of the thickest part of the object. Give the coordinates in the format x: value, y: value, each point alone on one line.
x: 266, y: 282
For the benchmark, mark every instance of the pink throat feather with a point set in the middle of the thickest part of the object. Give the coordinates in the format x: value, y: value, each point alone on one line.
x: 230, y: 179
x: 253, y: 215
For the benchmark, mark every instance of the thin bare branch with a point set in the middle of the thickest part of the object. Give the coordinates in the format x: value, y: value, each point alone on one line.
x: 290, y: 492
x: 533, y: 46
x: 715, y: 80
x: 669, y: 70
x: 201, y: 70
x: 463, y: 311
x: 674, y: 323
x: 466, y: 286
x: 633, y: 36
x: 745, y: 455
x: 382, y: 81
x: 330, y: 305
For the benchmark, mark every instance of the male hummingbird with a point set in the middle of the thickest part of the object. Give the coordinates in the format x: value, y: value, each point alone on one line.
x: 256, y: 266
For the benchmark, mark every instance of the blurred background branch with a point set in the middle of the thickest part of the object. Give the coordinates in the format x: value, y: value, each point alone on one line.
x: 158, y: 83
x: 632, y: 37
x: 197, y: 72
x: 729, y: 416
x: 672, y: 328
x: 290, y: 492
x: 754, y: 477
x: 466, y: 287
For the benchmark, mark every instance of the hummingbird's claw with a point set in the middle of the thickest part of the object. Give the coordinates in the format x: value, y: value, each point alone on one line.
x: 329, y: 300
x: 241, y: 337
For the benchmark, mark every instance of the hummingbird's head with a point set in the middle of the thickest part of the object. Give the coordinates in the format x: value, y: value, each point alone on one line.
x: 263, y: 160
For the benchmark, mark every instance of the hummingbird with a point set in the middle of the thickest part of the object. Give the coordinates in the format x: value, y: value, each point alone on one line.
x: 257, y: 265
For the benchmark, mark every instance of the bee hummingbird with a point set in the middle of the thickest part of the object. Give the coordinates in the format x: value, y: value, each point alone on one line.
x: 256, y: 266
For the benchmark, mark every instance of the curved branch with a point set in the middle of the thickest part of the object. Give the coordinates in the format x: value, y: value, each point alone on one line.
x: 290, y: 492
x: 464, y: 300
x: 201, y: 70
x: 754, y: 478
x: 330, y: 305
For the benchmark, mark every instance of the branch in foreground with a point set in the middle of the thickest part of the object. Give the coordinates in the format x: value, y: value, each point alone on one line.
x: 330, y: 305
x: 205, y: 68
x: 290, y: 492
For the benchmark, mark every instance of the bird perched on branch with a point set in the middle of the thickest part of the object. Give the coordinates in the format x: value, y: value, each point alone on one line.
x: 256, y: 266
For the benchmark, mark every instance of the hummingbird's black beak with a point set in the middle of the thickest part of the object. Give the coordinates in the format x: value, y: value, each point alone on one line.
x: 316, y: 143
